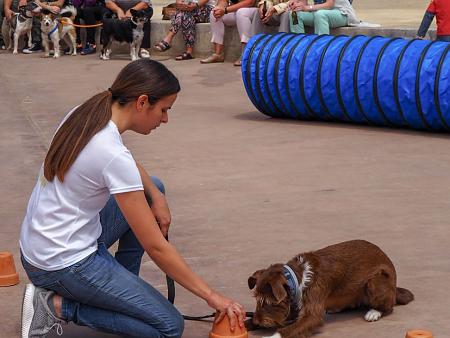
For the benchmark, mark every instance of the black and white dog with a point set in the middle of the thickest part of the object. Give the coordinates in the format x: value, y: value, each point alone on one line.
x: 21, y: 24
x: 130, y: 31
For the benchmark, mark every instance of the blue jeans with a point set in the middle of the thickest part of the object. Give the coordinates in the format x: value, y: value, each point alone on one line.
x: 105, y: 293
x: 443, y: 38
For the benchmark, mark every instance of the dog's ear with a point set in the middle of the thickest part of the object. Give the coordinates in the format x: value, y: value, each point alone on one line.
x: 278, y: 290
x: 133, y: 12
x: 253, y: 278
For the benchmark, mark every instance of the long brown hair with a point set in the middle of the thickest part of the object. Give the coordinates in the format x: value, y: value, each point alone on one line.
x: 141, y: 77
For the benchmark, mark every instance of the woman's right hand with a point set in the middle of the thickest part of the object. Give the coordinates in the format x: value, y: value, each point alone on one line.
x: 226, y: 306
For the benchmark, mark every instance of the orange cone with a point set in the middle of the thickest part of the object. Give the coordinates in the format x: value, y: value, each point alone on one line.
x: 8, y: 274
x: 419, y: 334
x: 222, y: 330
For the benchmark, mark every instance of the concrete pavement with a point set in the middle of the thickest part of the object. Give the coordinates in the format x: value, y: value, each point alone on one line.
x: 246, y: 190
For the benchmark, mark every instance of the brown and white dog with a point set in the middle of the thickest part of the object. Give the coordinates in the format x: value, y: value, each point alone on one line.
x: 56, y: 27
x: 295, y: 297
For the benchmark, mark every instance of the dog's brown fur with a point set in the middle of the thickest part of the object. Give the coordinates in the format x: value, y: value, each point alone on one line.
x: 343, y: 276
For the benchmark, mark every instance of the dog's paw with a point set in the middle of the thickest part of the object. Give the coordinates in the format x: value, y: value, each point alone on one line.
x: 372, y: 315
x: 15, y: 52
x: 276, y: 335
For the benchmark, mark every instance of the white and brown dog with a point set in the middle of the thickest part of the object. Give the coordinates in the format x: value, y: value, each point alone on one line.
x: 57, y: 27
x: 21, y: 24
x: 295, y: 297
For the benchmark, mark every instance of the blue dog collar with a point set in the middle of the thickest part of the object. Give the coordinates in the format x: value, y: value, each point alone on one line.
x: 52, y: 31
x: 292, y: 282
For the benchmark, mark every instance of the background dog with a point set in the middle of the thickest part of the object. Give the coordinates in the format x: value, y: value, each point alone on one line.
x: 295, y: 297
x: 21, y: 24
x: 131, y: 31
x: 57, y: 27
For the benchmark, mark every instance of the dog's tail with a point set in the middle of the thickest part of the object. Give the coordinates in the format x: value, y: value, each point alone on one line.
x: 403, y: 296
x: 69, y: 12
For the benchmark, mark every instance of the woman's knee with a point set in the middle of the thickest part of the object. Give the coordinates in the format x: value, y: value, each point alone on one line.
x: 178, y: 327
x: 321, y: 15
x: 174, y: 326
x: 159, y: 184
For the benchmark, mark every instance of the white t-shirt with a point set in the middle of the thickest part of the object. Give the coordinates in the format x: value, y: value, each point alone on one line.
x: 62, y: 222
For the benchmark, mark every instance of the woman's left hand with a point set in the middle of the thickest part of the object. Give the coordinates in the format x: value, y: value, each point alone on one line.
x: 161, y: 211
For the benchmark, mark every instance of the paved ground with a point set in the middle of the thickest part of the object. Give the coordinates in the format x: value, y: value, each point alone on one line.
x: 246, y: 190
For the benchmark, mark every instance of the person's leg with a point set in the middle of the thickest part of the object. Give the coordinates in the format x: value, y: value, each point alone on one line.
x: 147, y: 28
x: 228, y: 20
x: 303, y: 19
x: 80, y: 15
x: 103, y: 292
x: 2, y: 43
x: 284, y: 22
x: 115, y: 227
x: 99, y: 293
x: 257, y: 25
x: 176, y: 21
x: 36, y: 32
x: 188, y: 30
x: 218, y: 33
x: 445, y: 38
x: 90, y: 18
x: 326, y: 19
x: 244, y: 17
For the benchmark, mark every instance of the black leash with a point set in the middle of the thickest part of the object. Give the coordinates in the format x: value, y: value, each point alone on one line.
x: 171, y: 298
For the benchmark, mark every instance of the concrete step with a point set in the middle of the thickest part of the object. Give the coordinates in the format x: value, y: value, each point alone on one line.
x: 233, y: 45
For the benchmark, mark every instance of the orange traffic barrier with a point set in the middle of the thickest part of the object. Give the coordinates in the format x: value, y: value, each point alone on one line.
x: 419, y: 334
x: 8, y: 274
x: 222, y: 330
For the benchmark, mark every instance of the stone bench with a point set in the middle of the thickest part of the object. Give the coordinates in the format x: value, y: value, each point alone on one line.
x: 233, y: 46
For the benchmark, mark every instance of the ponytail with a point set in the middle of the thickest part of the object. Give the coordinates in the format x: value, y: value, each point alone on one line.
x: 70, y: 139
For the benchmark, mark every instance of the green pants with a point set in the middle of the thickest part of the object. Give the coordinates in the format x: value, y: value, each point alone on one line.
x: 322, y: 20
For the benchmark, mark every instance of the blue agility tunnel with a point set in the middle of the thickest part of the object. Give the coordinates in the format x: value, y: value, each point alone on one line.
x: 360, y: 79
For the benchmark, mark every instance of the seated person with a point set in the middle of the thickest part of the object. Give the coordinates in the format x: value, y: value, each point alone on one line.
x: 185, y: 19
x: 440, y: 9
x: 272, y: 13
x: 322, y: 15
x: 237, y: 13
x: 11, y: 6
x: 91, y: 11
x: 122, y: 9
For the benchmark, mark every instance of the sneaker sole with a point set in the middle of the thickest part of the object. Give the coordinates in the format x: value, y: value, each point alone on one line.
x: 27, y: 309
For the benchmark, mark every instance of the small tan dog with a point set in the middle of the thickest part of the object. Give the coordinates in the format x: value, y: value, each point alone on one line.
x: 54, y: 30
x: 294, y: 297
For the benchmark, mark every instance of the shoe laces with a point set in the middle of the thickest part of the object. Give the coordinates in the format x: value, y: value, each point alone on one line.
x: 59, y: 329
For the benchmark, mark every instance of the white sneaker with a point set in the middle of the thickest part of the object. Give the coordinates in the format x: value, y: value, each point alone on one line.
x: 37, y: 318
x: 144, y: 53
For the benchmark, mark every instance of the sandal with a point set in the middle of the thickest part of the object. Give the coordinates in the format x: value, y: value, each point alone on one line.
x: 162, y: 46
x: 184, y: 56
